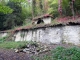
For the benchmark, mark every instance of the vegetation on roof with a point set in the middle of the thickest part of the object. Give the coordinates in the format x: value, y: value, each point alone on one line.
x: 14, y: 16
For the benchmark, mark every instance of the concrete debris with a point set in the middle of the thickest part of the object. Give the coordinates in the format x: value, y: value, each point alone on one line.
x: 33, y: 48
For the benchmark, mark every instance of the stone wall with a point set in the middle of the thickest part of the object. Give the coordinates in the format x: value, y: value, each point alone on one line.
x: 56, y: 35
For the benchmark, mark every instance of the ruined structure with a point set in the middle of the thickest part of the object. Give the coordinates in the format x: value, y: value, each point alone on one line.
x: 45, y: 19
x: 68, y: 33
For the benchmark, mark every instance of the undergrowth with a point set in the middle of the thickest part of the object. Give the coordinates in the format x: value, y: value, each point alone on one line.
x: 11, y: 44
x: 61, y: 53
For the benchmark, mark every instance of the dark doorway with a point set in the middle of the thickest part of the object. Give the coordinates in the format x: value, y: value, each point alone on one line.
x: 40, y: 21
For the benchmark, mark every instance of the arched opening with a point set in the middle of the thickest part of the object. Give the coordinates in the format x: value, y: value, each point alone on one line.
x: 40, y: 21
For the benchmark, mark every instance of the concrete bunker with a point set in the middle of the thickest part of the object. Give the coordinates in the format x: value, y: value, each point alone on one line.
x: 40, y: 21
x: 45, y: 19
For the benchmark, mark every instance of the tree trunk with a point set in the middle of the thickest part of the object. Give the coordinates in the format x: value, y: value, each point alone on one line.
x: 33, y: 8
x: 72, y: 8
x: 60, y: 7
x: 46, y: 6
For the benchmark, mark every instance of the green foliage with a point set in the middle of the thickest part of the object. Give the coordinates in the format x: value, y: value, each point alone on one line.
x: 53, y: 7
x: 26, y: 10
x: 66, y: 7
x: 18, y: 1
x: 5, y: 9
x: 61, y: 53
x: 13, y: 19
x: 77, y: 6
x: 46, y: 57
x: 14, y: 13
x: 10, y: 44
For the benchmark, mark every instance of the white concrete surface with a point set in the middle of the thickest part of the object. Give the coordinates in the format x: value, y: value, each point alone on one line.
x: 55, y: 35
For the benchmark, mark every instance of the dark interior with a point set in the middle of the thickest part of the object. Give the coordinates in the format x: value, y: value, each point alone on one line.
x: 40, y: 21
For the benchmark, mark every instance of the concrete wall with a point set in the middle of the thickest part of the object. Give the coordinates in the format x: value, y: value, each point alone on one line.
x: 55, y: 35
x: 71, y: 34
x: 45, y: 35
x: 3, y: 34
x: 47, y: 20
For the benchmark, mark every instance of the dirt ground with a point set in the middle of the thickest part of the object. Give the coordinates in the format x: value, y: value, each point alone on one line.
x: 10, y: 54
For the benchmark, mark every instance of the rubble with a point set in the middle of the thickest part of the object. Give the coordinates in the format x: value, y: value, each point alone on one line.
x: 33, y: 48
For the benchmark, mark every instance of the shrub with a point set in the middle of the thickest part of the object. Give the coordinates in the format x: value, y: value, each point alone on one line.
x: 61, y: 53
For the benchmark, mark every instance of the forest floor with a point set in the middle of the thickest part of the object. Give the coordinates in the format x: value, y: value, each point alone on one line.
x: 10, y: 54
